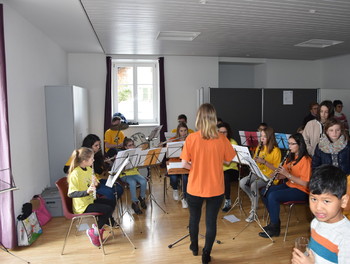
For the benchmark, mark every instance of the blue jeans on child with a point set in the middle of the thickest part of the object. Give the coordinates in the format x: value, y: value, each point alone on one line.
x: 278, y: 194
x: 132, y: 180
x: 174, y: 181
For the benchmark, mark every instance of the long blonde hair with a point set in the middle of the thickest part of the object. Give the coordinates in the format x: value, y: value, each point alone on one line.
x: 78, y: 156
x: 206, y: 121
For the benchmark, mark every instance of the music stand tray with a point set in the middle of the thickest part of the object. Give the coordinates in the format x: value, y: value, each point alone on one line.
x: 249, y: 138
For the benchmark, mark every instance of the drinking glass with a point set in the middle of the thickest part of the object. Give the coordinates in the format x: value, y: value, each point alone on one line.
x: 301, y: 243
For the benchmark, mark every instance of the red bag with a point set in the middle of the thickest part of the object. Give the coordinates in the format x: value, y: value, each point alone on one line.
x: 39, y: 208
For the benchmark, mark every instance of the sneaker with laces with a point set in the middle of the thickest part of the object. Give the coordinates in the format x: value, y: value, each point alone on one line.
x: 250, y: 218
x: 227, y: 205
x: 93, y: 238
x: 184, y: 203
x: 176, y: 195
x: 143, y: 202
x: 136, y: 208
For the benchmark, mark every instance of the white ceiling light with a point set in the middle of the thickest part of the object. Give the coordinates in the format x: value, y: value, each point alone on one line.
x: 177, y: 35
x: 318, y: 43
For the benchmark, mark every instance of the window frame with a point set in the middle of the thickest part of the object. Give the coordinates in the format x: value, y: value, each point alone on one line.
x: 114, y: 95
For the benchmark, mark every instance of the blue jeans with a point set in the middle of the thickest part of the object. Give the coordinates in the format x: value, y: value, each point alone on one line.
x: 174, y: 180
x: 278, y: 194
x: 132, y: 180
x: 213, y: 205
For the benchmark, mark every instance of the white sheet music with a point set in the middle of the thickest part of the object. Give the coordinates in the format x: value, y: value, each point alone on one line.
x: 121, y: 156
x: 242, y: 153
x: 255, y: 169
x: 174, y: 149
x: 169, y: 135
x: 115, y: 174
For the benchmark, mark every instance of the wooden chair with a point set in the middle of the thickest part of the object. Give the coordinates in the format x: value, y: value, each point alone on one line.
x: 67, y: 207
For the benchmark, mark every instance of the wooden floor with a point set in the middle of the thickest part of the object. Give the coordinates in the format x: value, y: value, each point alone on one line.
x: 155, y: 230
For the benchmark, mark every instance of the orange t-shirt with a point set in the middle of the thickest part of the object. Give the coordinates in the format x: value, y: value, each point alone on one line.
x: 207, y: 156
x: 301, y: 170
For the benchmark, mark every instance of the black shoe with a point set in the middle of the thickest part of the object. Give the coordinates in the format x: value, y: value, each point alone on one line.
x: 194, y: 248
x: 206, y: 258
x: 136, y: 208
x: 143, y: 202
x: 272, y: 230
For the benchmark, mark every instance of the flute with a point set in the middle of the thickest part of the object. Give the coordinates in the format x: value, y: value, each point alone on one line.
x: 93, y: 182
x: 257, y: 155
x: 275, y: 173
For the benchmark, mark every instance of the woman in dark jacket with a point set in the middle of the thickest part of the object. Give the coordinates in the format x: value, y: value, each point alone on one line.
x: 334, y: 147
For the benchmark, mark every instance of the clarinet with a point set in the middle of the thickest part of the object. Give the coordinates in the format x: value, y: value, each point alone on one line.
x: 93, y: 182
x: 275, y: 174
x: 257, y: 155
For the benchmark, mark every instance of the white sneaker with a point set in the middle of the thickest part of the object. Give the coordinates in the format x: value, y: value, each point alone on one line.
x: 176, y: 195
x: 227, y: 205
x: 184, y: 203
x: 250, y: 218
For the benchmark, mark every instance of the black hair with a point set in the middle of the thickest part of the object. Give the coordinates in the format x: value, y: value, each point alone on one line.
x: 182, y: 116
x: 99, y: 164
x: 299, y: 139
x: 328, y: 179
x: 228, y: 128
x: 126, y: 141
x: 89, y: 140
x: 337, y: 102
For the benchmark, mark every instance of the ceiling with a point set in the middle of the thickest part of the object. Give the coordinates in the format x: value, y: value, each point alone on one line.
x: 228, y: 28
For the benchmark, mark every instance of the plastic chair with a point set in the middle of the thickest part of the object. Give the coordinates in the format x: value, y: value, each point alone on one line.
x: 290, y: 204
x: 67, y: 207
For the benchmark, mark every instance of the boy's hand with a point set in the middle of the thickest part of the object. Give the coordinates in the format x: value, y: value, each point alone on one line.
x: 300, y: 258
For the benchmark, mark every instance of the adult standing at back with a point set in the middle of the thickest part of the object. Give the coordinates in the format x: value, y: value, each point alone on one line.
x: 314, y: 128
x: 313, y: 108
x: 203, y: 154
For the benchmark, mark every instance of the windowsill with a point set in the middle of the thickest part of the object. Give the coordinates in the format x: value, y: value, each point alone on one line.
x: 144, y: 125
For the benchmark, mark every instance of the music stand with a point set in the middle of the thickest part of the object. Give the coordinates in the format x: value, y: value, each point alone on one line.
x: 282, y: 140
x: 249, y: 138
x: 151, y: 158
x: 241, y: 153
x: 154, y: 134
x: 255, y: 169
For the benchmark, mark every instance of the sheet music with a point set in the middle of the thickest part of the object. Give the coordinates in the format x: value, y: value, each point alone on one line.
x: 154, y: 133
x: 255, y: 169
x: 151, y: 156
x: 115, y: 174
x: 174, y: 165
x: 242, y: 153
x: 174, y: 149
x: 121, y: 156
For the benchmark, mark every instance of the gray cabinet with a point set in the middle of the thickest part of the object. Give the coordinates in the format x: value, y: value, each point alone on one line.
x: 67, y: 124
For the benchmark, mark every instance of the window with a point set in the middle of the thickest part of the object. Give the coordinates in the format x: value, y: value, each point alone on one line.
x: 135, y: 91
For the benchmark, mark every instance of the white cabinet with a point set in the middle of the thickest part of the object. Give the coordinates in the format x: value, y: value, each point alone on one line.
x: 67, y: 124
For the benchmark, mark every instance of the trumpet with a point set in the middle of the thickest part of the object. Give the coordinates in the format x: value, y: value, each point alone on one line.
x: 275, y: 174
x: 257, y: 155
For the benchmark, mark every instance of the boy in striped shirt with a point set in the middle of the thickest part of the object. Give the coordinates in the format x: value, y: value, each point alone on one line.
x: 330, y: 230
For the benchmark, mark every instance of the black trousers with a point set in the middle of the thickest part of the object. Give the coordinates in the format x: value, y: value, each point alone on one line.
x: 213, y: 205
x: 104, y: 206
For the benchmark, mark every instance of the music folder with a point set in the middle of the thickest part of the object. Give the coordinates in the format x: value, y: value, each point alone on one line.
x: 176, y: 168
x: 114, y: 174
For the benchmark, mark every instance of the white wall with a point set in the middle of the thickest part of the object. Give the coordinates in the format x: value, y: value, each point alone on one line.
x: 183, y: 76
x: 335, y: 73
x: 32, y: 61
x: 236, y: 76
x: 89, y: 71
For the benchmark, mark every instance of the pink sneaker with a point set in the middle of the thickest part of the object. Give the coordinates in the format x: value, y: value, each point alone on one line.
x: 93, y: 238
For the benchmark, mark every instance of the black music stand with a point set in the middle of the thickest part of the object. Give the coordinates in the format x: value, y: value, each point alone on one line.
x: 154, y: 134
x: 282, y: 140
x: 151, y: 158
x: 241, y: 152
x: 255, y: 169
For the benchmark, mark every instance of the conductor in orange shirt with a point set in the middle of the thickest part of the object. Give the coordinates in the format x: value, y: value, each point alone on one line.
x: 204, y: 154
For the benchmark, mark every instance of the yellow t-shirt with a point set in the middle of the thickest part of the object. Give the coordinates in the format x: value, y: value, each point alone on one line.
x: 80, y: 180
x: 274, y: 158
x: 113, y: 137
x: 189, y: 130
x: 232, y: 165
x: 133, y: 171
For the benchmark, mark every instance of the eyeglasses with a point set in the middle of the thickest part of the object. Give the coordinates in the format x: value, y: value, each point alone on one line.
x: 292, y: 144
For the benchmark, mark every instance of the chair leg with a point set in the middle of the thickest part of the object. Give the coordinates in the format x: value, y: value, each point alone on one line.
x: 288, y: 219
x: 164, y: 188
x: 68, y: 232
